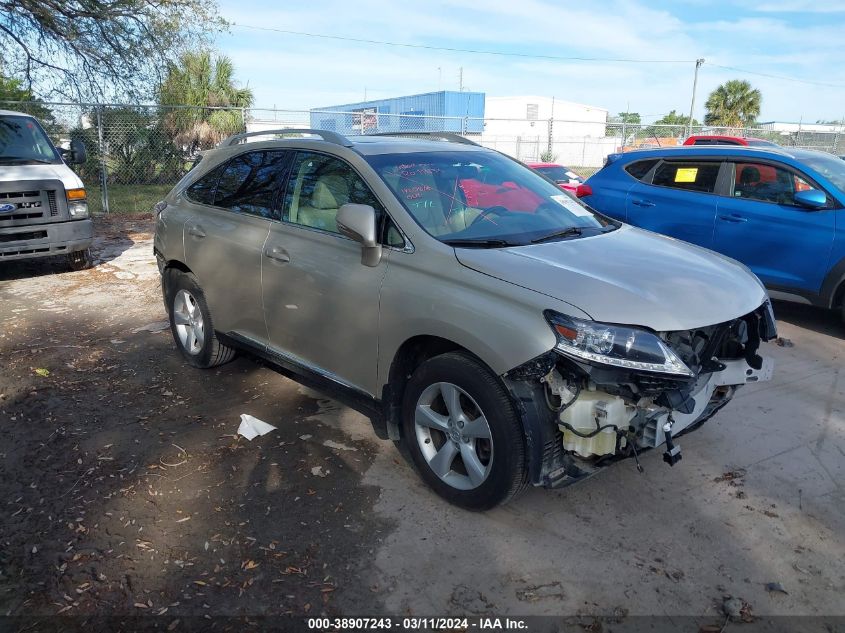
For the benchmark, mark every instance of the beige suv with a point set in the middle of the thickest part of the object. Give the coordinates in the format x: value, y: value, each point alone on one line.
x: 504, y: 332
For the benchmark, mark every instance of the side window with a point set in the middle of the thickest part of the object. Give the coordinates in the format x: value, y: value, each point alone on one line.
x: 250, y: 182
x: 687, y: 175
x: 319, y: 185
x: 640, y: 169
x: 767, y: 183
x: 202, y: 191
x: 390, y: 235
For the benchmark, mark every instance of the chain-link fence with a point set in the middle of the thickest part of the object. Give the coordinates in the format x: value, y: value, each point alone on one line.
x: 137, y: 153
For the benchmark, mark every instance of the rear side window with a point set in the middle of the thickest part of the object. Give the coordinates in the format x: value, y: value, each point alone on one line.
x: 640, y: 168
x: 250, y: 182
x: 202, y: 191
x: 687, y: 175
x: 715, y: 141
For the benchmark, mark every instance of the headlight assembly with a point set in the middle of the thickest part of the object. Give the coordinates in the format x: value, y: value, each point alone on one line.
x: 615, y: 345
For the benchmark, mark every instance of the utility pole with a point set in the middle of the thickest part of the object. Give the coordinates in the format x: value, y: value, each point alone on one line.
x: 461, y: 79
x: 698, y: 63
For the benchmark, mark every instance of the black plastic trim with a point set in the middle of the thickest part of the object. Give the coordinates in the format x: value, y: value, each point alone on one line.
x: 350, y: 396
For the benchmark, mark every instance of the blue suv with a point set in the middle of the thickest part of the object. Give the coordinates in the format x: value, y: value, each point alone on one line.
x: 781, y: 212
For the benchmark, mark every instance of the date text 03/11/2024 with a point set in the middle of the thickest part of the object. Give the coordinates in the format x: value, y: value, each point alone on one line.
x: 417, y: 624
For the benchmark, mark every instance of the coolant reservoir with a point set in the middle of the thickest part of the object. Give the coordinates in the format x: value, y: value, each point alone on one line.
x: 582, y: 415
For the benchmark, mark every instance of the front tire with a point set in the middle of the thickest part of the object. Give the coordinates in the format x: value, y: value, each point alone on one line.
x: 191, y: 323
x: 463, y: 432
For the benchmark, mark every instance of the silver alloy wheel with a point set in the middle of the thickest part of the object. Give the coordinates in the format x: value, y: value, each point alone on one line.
x: 453, y: 435
x: 189, y: 323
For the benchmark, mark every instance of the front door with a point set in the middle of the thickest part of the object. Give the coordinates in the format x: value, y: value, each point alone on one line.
x: 786, y: 245
x: 321, y: 304
x: 680, y: 200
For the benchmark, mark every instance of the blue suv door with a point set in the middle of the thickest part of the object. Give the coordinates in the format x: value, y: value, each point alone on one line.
x: 759, y: 223
x: 679, y: 200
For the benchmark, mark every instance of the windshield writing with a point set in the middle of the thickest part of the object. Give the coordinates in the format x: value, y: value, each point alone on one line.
x: 482, y: 197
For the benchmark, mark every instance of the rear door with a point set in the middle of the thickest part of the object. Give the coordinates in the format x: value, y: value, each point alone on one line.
x: 677, y: 198
x: 786, y: 245
x: 225, y: 235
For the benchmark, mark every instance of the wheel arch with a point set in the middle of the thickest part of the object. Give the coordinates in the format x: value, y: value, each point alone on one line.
x: 833, y: 287
x: 410, y: 354
x: 165, y: 268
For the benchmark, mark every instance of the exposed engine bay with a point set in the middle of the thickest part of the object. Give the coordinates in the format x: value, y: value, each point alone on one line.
x: 603, y: 414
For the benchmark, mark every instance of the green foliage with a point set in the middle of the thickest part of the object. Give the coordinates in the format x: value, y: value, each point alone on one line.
x: 628, y: 118
x: 734, y: 104
x: 13, y: 90
x: 93, y: 49
x: 137, y: 148
x: 677, y: 123
x: 548, y: 156
x: 202, y: 81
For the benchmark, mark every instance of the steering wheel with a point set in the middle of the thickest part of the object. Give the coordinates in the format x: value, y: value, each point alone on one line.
x: 497, y: 210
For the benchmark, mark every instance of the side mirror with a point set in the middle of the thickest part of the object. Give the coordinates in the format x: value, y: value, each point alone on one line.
x: 358, y: 222
x: 811, y: 198
x: 78, y: 155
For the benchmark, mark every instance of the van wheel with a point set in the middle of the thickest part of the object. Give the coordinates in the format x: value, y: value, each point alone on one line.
x: 80, y: 260
x: 191, y: 323
x: 463, y: 433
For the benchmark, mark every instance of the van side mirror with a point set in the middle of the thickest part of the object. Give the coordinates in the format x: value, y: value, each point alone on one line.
x: 811, y: 198
x: 358, y: 222
x: 78, y: 155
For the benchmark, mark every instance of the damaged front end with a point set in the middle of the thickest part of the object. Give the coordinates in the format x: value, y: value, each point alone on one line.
x: 607, y: 392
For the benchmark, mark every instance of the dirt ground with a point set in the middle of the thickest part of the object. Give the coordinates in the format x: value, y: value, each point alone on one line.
x: 125, y: 490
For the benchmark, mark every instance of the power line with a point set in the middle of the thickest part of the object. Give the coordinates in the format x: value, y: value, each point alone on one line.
x: 464, y: 50
x: 781, y: 77
x: 475, y: 51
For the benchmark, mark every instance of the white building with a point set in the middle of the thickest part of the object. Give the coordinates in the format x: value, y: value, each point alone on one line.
x: 519, y: 126
x: 785, y: 127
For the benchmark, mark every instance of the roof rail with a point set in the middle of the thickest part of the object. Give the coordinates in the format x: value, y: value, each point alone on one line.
x: 438, y: 136
x: 331, y: 137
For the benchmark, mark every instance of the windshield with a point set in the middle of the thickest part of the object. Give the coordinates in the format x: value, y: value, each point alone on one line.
x: 484, y: 198
x: 23, y: 141
x: 558, y: 173
x: 827, y: 165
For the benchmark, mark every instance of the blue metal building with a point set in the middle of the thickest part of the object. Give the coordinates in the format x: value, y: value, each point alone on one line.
x: 443, y: 111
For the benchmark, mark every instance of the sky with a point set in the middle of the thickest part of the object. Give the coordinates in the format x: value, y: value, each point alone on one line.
x: 790, y: 39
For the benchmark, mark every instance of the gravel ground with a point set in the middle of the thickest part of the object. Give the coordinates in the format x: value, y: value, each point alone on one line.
x: 125, y: 490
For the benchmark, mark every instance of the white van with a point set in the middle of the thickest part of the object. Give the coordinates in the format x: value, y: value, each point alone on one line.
x: 43, y: 208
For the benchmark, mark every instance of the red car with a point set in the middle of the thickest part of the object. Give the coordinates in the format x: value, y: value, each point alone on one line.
x: 702, y: 139
x: 564, y: 177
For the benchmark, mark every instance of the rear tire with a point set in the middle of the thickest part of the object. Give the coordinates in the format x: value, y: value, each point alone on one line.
x: 80, y: 260
x: 463, y: 433
x: 191, y: 323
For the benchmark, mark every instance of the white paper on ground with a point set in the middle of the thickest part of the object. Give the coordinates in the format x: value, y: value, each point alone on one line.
x: 252, y: 427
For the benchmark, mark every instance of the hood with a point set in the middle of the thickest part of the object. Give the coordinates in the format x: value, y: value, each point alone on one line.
x: 629, y: 276
x: 59, y: 171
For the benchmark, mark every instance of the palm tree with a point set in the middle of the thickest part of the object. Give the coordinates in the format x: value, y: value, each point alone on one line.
x: 198, y: 80
x: 734, y: 104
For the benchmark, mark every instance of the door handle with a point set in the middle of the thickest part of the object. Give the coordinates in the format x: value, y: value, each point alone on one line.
x: 642, y: 203
x: 733, y: 217
x: 196, y: 231
x: 278, y: 254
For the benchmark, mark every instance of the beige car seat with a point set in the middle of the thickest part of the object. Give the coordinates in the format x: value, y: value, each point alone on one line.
x: 330, y: 193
